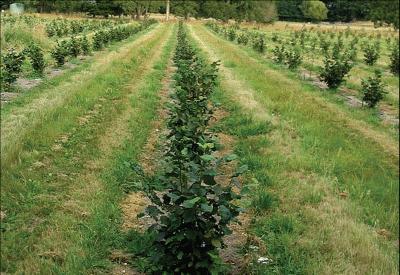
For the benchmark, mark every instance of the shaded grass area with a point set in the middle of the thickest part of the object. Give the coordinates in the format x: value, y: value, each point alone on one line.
x: 327, y: 188
x: 61, y: 205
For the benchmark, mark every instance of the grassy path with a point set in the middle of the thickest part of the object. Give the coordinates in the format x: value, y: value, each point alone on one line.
x: 61, y: 200
x: 328, y: 182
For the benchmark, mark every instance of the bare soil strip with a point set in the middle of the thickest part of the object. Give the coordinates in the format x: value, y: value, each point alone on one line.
x: 136, y: 202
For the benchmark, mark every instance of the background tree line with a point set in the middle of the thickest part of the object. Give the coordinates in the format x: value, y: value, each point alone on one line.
x: 379, y: 11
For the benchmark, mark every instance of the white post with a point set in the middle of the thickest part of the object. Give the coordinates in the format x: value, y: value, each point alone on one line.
x: 167, y: 13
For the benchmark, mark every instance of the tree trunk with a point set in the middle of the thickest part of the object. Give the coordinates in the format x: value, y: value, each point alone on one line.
x: 138, y: 13
x: 167, y: 12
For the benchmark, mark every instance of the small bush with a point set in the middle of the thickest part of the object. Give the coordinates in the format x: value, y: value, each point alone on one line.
x: 352, y: 54
x: 275, y: 37
x: 373, y: 89
x: 59, y: 53
x: 97, y: 41
x: 293, y: 58
x: 231, y: 34
x: 11, y: 66
x: 85, y: 46
x: 243, y: 38
x: 259, y: 43
x: 74, y: 47
x: 371, y: 54
x: 324, y: 45
x: 394, y: 60
x: 279, y: 54
x: 35, y: 54
x: 336, y: 49
x: 354, y: 42
x: 335, y: 69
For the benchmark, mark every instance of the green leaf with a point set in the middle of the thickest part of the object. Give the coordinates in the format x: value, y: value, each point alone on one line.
x: 173, y: 196
x: 231, y: 157
x: 206, y: 208
x: 190, y: 203
x: 184, y: 152
x: 180, y: 255
x: 207, y: 157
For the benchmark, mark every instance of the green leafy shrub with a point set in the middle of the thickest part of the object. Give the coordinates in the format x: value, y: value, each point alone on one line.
x: 243, y: 38
x: 11, y: 66
x: 279, y: 54
x: 334, y: 70
x: 97, y: 41
x: 231, y: 34
x: 371, y: 54
x: 293, y: 58
x: 258, y: 43
x: 336, y: 49
x: 35, y: 54
x: 373, y: 89
x: 84, y: 45
x: 352, y: 53
x: 275, y: 37
x: 324, y: 45
x: 50, y: 29
x: 59, y: 52
x: 74, y: 47
x: 394, y: 60
x: 354, y: 42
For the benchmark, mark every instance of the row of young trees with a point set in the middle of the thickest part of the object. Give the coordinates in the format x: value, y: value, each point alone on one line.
x: 12, y: 60
x: 338, y: 59
x: 191, y: 209
x: 61, y: 26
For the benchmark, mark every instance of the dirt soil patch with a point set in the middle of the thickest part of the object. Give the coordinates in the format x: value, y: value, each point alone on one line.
x: 27, y: 84
x: 7, y: 96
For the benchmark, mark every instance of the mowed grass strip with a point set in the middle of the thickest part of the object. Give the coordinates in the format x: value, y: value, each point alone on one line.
x: 323, y: 190
x: 53, y: 199
x: 30, y: 110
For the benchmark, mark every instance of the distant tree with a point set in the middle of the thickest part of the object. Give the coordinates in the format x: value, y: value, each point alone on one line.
x: 314, y: 10
x: 134, y: 8
x: 260, y: 11
x: 385, y: 12
x: 347, y: 10
x: 104, y: 8
x: 290, y: 10
x: 221, y: 10
x: 185, y: 8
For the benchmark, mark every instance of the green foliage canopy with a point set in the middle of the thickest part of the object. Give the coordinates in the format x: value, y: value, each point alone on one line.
x: 314, y: 10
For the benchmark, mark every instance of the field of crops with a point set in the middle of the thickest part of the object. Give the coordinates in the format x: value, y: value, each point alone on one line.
x: 198, y: 147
